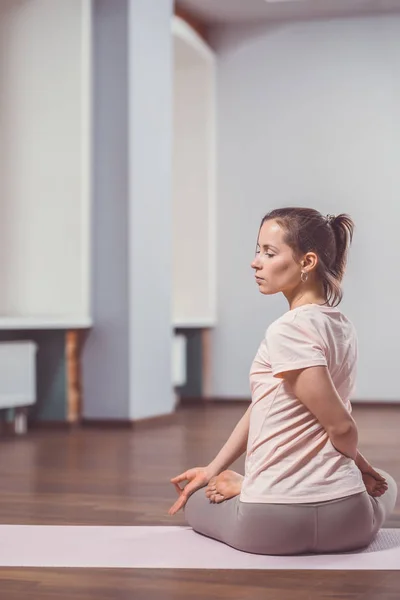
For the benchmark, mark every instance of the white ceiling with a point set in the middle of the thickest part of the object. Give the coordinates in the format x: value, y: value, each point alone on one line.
x: 213, y: 12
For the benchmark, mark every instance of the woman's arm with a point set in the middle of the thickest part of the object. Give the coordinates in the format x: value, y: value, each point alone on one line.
x: 314, y: 387
x: 362, y: 462
x: 235, y: 446
x: 310, y: 388
x: 198, y: 477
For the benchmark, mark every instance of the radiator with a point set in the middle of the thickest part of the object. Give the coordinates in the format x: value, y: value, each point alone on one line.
x: 17, y: 374
x: 179, y: 360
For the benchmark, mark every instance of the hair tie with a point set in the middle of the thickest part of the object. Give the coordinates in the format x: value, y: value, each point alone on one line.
x: 330, y: 218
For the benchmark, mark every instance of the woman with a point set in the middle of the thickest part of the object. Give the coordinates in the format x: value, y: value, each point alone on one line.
x: 306, y: 486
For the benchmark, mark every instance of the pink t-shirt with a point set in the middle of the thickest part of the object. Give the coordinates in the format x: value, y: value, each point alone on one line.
x: 290, y: 458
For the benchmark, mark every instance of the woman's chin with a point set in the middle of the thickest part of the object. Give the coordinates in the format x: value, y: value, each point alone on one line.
x: 266, y: 291
x: 263, y: 289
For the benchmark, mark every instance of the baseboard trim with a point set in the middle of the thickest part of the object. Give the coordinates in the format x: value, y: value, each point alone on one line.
x: 7, y: 429
x: 186, y: 402
x: 47, y: 425
x: 146, y: 423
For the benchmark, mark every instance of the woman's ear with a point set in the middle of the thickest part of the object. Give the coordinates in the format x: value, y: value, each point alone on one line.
x: 310, y: 259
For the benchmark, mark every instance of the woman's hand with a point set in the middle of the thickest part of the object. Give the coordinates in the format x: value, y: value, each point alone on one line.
x: 197, y: 478
x: 374, y: 482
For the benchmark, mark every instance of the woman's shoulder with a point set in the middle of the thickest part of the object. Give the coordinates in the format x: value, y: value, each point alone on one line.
x: 309, y: 317
x: 284, y: 319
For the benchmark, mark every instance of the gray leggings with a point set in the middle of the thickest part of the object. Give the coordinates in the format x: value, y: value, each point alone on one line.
x: 340, y: 525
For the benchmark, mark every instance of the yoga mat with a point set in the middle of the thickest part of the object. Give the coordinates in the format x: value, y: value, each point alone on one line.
x: 168, y: 548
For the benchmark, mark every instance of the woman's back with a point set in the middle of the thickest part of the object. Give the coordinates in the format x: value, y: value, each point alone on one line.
x: 290, y: 458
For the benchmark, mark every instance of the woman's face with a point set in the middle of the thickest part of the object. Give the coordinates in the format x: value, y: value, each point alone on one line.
x: 274, y: 265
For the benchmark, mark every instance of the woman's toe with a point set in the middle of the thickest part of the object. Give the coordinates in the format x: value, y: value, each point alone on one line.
x: 218, y: 498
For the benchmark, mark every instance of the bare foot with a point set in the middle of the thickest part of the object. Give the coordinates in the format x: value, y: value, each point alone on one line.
x: 225, y: 485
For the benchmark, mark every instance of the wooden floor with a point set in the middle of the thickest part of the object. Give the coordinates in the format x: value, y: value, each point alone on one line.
x: 121, y: 476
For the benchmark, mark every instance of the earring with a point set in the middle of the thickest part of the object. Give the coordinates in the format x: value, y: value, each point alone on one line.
x: 304, y: 276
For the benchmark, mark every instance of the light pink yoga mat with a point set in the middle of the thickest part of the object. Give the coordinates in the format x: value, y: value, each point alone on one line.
x: 167, y: 548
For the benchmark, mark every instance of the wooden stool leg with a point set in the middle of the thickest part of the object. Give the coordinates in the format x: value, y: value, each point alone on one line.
x: 206, y: 362
x: 74, y: 388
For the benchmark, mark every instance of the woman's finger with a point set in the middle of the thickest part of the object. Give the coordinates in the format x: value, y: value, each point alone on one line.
x: 179, y: 478
x: 187, y: 491
x: 377, y: 493
x: 178, y: 489
x: 376, y: 475
x: 180, y: 503
x: 191, y: 487
x: 174, y: 508
x: 183, y: 496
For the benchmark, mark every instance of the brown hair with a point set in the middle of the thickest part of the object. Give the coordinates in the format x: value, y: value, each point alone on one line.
x: 307, y: 230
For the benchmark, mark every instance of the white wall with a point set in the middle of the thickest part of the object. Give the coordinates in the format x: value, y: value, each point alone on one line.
x: 309, y: 114
x: 194, y: 302
x: 44, y: 157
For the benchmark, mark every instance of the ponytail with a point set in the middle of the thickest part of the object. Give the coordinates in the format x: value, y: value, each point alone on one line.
x: 343, y: 229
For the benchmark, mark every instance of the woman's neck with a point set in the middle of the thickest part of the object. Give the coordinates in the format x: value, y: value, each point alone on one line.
x: 305, y: 297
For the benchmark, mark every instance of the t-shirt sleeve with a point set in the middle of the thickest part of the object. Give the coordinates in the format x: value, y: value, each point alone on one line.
x: 294, y: 345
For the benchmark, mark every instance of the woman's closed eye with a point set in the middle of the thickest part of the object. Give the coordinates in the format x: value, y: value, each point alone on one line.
x: 266, y: 253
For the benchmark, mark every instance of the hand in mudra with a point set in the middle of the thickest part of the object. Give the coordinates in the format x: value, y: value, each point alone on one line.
x: 374, y: 482
x: 197, y: 478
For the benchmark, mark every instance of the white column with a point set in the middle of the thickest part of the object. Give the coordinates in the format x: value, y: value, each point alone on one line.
x: 105, y: 358
x: 150, y: 80
x: 127, y: 356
